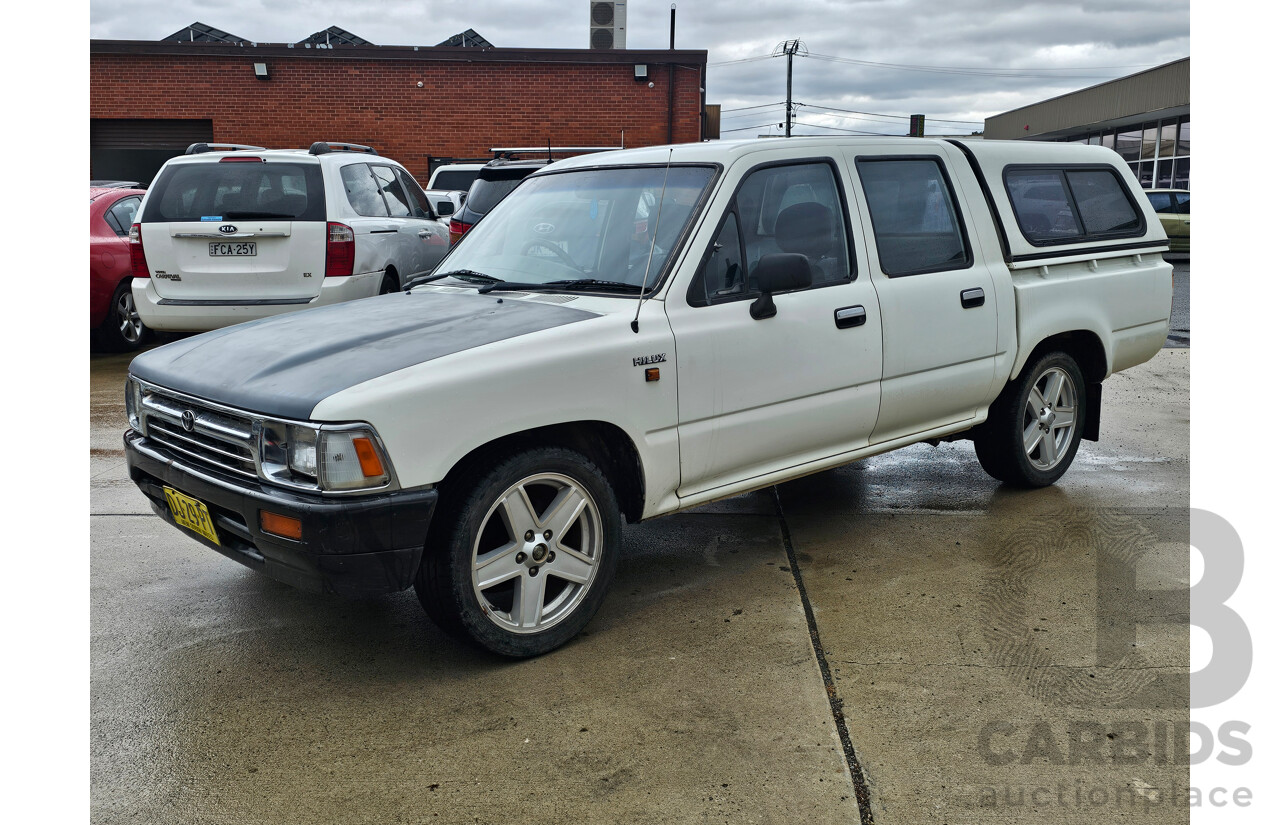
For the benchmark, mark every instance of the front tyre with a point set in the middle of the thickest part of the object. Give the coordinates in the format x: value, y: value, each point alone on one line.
x: 523, y: 553
x: 1033, y: 430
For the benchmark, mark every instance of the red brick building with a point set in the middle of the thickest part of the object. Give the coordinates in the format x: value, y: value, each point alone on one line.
x: 149, y: 100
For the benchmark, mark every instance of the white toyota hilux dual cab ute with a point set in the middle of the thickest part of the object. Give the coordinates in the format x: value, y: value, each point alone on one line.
x: 634, y: 333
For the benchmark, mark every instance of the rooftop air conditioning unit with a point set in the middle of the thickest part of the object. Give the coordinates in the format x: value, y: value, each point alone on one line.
x: 608, y: 25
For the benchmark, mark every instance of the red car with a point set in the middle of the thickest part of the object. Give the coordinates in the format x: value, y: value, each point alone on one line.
x: 113, y: 318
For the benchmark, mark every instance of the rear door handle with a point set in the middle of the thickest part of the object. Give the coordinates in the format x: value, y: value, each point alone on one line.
x: 854, y: 316
x: 971, y: 298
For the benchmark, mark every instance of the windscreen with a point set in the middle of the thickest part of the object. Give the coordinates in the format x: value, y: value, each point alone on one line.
x: 237, y: 190
x: 597, y: 223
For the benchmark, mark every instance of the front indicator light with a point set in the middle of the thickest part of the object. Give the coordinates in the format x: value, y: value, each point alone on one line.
x: 278, y: 525
x: 370, y: 464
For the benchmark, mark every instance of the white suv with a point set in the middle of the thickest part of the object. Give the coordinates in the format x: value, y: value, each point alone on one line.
x: 230, y: 233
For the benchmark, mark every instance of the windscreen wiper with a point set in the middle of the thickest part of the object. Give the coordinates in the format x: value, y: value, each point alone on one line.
x: 428, y: 278
x: 573, y: 283
x: 597, y: 283
x: 461, y: 274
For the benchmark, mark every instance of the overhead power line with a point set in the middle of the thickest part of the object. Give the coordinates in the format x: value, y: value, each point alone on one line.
x: 744, y: 108
x: 1043, y: 73
x: 881, y: 114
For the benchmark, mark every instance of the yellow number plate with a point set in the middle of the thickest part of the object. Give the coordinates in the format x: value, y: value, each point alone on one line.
x: 191, y: 514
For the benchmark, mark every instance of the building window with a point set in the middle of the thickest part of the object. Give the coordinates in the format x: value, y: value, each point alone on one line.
x: 1129, y: 144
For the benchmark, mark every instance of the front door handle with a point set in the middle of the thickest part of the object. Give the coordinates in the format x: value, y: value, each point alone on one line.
x: 971, y: 298
x: 854, y: 316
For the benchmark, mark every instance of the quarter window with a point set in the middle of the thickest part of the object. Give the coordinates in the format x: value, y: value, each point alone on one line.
x: 120, y: 216
x: 795, y: 208
x: 913, y: 216
x: 362, y: 191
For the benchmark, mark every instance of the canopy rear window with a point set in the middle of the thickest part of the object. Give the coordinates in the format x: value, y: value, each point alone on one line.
x: 1071, y: 204
x: 240, y: 190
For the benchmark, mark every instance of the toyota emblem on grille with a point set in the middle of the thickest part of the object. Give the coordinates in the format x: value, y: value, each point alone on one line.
x: 228, y: 229
x: 188, y: 420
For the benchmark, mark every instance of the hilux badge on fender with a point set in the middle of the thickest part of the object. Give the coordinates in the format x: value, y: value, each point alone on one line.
x: 228, y: 229
x: 660, y: 358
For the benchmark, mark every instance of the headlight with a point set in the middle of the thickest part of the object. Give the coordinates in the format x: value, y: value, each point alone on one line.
x: 302, y: 450
x: 133, y: 403
x: 343, y: 458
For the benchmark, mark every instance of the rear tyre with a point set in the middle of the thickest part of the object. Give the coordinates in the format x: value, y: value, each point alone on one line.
x: 123, y: 330
x: 1033, y: 430
x: 520, y: 557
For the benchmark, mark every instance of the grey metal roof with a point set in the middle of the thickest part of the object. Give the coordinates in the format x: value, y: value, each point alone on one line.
x: 334, y: 36
x: 200, y: 33
x: 468, y: 39
x: 1156, y: 92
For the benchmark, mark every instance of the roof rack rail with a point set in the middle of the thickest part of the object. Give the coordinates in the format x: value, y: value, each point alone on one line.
x: 553, y: 150
x: 321, y: 147
x: 200, y: 148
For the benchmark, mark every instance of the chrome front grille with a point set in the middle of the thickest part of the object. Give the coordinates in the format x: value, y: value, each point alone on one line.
x: 213, y: 436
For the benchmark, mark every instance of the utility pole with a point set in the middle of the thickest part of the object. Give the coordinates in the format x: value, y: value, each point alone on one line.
x: 790, y: 48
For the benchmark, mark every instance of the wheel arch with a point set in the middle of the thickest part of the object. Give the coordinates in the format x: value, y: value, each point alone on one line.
x: 1081, y: 344
x: 605, y: 445
x: 1087, y: 350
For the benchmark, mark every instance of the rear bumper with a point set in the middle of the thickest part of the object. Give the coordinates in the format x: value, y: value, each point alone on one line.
x: 172, y: 315
x: 360, y: 546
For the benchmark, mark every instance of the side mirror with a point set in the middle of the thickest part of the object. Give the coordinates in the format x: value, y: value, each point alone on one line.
x: 779, y: 272
x: 444, y: 208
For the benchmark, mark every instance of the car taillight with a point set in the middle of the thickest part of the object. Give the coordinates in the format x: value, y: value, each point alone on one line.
x: 137, y: 257
x: 457, y: 229
x: 340, y: 252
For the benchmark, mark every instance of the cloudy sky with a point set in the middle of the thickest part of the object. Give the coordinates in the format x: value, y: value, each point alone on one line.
x: 956, y: 61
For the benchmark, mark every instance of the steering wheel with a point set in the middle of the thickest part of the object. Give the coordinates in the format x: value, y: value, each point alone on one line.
x: 559, y: 253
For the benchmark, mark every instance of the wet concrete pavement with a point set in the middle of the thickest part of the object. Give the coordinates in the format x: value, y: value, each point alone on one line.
x: 980, y: 645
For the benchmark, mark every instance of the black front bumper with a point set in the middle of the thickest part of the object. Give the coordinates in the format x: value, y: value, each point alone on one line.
x: 357, y: 546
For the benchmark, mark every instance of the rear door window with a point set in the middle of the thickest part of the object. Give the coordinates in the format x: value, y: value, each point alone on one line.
x: 363, y: 192
x: 417, y: 199
x: 913, y: 216
x: 230, y: 190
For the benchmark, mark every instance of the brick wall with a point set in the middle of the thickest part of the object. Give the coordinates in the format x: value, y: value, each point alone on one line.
x: 462, y: 109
